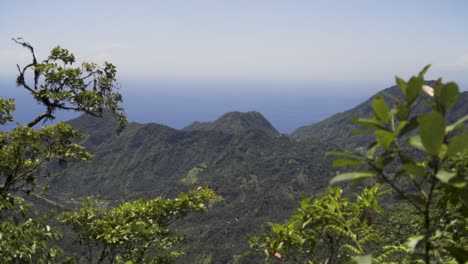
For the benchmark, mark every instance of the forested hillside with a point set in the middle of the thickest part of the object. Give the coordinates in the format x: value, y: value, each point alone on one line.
x: 130, y: 191
x: 258, y: 172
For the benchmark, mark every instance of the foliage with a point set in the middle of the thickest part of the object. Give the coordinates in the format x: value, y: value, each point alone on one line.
x: 25, y: 238
x: 423, y: 160
x: 90, y: 88
x: 327, y: 229
x: 258, y: 175
x: 56, y: 86
x: 137, y: 231
x: 25, y: 151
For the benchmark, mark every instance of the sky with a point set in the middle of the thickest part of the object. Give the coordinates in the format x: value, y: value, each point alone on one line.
x: 271, y: 56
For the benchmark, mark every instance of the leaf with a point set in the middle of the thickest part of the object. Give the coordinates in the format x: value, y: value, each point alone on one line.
x: 371, y: 151
x: 432, y: 131
x: 458, y: 124
x: 363, y: 259
x: 411, y: 125
x: 351, y: 176
x: 445, y: 176
x: 400, y: 126
x: 413, y: 90
x: 414, y: 169
x: 370, y: 123
x: 381, y: 109
x: 403, y: 111
x: 449, y: 95
x: 346, y: 163
x: 383, y: 161
x: 459, y: 143
x: 384, y: 138
x: 402, y: 84
x: 415, y: 141
x: 413, y: 243
x: 343, y: 154
x: 423, y: 71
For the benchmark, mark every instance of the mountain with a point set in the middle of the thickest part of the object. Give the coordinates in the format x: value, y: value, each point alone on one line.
x: 235, y: 123
x: 336, y: 128
x: 258, y: 172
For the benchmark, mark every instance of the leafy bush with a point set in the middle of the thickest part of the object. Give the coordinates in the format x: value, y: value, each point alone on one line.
x: 423, y: 160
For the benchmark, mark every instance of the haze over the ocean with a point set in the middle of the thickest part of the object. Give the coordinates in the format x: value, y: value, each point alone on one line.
x: 294, y: 61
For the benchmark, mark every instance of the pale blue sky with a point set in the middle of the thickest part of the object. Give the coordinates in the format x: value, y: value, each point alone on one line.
x: 247, y: 39
x: 271, y: 56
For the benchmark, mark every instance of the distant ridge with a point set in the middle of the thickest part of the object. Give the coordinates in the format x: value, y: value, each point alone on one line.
x: 235, y: 123
x: 337, y: 127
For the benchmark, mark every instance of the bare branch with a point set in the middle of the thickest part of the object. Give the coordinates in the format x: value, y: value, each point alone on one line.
x: 46, y: 115
x: 20, y: 79
x: 26, y: 45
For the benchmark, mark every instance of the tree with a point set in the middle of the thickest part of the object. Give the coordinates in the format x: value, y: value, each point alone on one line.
x: 327, y: 229
x: 424, y: 161
x: 134, y: 231
x: 420, y: 158
x: 26, y: 150
x: 137, y: 231
x: 56, y: 85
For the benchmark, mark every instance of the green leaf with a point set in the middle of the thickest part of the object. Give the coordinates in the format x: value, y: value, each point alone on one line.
x: 343, y: 154
x: 413, y: 90
x: 403, y: 111
x: 346, y: 163
x: 415, y: 141
x: 384, y: 138
x: 423, y: 71
x: 445, y: 176
x: 414, y: 169
x: 371, y: 151
x: 411, y: 125
x: 363, y: 259
x: 383, y: 161
x: 400, y: 126
x: 458, y: 124
x: 413, y: 242
x: 381, y: 109
x: 449, y: 95
x: 351, y: 176
x: 402, y: 84
x: 370, y: 123
x: 459, y: 143
x: 432, y: 131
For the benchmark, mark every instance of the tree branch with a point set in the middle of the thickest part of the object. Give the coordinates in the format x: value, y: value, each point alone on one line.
x: 47, y: 115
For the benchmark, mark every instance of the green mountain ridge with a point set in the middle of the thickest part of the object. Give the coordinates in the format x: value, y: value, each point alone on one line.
x: 336, y: 128
x: 235, y: 123
x: 258, y: 172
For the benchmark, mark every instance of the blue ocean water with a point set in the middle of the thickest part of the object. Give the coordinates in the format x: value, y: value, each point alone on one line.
x: 287, y: 105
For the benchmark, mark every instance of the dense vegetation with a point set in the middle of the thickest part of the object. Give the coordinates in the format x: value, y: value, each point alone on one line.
x: 410, y: 206
x: 259, y: 174
x: 419, y: 158
x: 133, y: 232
